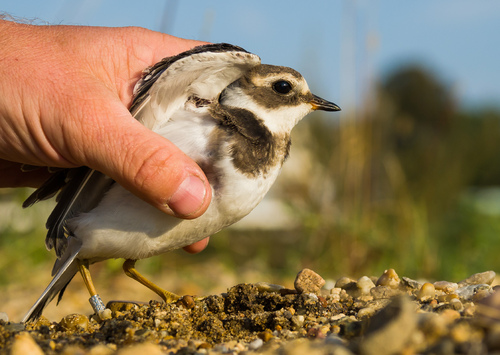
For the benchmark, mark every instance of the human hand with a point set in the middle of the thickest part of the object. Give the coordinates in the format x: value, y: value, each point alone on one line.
x: 65, y: 93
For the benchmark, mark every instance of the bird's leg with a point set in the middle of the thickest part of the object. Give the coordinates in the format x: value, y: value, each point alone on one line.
x: 130, y: 271
x: 95, y: 301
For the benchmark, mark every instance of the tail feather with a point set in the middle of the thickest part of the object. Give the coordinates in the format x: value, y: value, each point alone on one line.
x: 62, y: 278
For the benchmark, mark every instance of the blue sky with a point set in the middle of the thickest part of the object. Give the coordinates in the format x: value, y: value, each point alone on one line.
x: 341, y: 46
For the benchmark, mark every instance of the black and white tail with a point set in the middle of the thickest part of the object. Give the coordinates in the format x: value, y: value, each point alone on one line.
x: 65, y: 268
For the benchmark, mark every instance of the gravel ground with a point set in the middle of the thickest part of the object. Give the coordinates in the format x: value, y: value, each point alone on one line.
x: 371, y: 315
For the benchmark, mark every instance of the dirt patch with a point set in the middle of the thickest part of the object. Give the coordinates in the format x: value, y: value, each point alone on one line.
x: 383, y: 315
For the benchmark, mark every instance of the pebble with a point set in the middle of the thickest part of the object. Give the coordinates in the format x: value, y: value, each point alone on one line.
x: 122, y: 306
x: 461, y: 332
x: 144, y: 348
x: 409, y: 283
x: 432, y: 326
x: 457, y: 305
x: 307, y: 281
x: 384, y: 292
x: 105, y: 314
x: 186, y: 301
x: 488, y: 309
x: 267, y: 287
x: 365, y: 284
x: 334, y: 339
x: 101, y: 349
x: 366, y: 312
x: 390, y: 329
x: 447, y: 297
x: 426, y: 292
x: 4, y: 316
x: 467, y: 292
x: 25, y: 344
x: 486, y: 277
x: 493, y: 337
x: 266, y: 335
x: 254, y: 345
x: 469, y: 309
x: 450, y: 315
x: 75, y: 322
x: 343, y: 281
x: 389, y: 278
x: 446, y: 286
x: 481, y: 293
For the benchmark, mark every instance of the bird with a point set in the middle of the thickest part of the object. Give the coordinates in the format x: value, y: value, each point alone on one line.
x: 226, y: 110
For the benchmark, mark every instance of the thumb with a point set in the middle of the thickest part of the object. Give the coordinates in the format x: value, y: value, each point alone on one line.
x: 147, y: 164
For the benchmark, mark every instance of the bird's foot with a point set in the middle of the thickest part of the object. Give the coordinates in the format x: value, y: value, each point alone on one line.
x: 130, y: 271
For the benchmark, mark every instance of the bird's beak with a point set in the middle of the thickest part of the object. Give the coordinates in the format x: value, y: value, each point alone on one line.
x: 318, y: 103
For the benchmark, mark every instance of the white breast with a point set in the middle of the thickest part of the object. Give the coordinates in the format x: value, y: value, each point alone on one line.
x: 124, y: 226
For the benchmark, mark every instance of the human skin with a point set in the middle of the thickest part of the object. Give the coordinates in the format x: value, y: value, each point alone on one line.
x: 64, y: 98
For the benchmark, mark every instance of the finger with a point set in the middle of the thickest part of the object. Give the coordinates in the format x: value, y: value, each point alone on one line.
x: 198, y: 246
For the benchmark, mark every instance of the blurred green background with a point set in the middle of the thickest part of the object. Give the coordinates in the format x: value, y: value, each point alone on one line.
x: 406, y: 177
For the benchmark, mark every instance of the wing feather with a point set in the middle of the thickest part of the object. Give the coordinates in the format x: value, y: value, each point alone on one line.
x: 203, y: 72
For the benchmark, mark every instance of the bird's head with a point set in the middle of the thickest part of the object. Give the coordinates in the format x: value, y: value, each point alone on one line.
x: 279, y: 96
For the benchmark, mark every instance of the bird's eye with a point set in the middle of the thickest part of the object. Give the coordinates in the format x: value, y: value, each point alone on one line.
x: 282, y: 87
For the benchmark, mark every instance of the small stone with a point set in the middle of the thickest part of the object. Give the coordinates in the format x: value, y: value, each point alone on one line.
x: 432, y: 325
x: 447, y: 297
x: 457, y: 305
x: 488, y: 309
x: 467, y: 292
x: 143, y: 348
x: 73, y: 350
x: 121, y: 306
x: 105, y: 314
x: 307, y: 281
x: 101, y: 349
x: 334, y: 339
x: 186, y: 301
x: 343, y: 281
x: 486, y: 277
x: 75, y: 322
x: 461, y: 332
x: 450, y: 315
x: 254, y: 345
x: 469, y: 310
x: 446, y: 286
x: 481, y: 293
x: 316, y: 333
x: 204, y: 345
x: 411, y: 284
x: 25, y: 344
x: 366, y: 312
x: 267, y: 287
x: 383, y: 292
x: 365, y: 284
x: 493, y: 338
x: 389, y: 278
x: 4, y: 316
x: 427, y: 292
x: 266, y: 335
x: 390, y: 329
x: 239, y: 347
